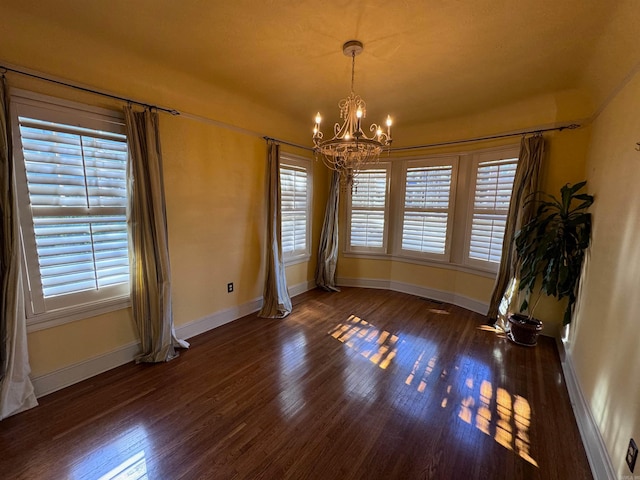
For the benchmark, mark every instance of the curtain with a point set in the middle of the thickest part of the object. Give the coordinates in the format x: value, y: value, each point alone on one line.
x: 150, y: 269
x: 276, y: 301
x: 521, y: 210
x: 328, y: 249
x: 16, y: 390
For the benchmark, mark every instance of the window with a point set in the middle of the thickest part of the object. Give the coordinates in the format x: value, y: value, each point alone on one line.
x: 444, y: 210
x: 295, y: 201
x: 492, y: 195
x: 71, y: 176
x: 368, y: 210
x: 427, y: 207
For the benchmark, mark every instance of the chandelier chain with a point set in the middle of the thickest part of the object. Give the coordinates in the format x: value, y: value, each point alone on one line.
x: 353, y: 69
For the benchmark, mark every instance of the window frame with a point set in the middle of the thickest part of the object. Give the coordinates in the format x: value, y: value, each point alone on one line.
x: 44, y: 313
x: 383, y: 250
x: 462, y: 212
x: 489, y: 155
x: 300, y: 256
x: 427, y: 161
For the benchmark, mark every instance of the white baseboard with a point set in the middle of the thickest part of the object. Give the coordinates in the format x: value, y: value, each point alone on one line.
x: 296, y: 290
x: 217, y: 319
x: 440, y: 295
x: 67, y: 376
x: 597, y: 454
x: 364, y: 282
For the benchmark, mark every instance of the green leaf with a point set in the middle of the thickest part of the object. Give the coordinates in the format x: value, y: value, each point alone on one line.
x: 583, y: 196
x: 576, y: 187
x: 585, y: 204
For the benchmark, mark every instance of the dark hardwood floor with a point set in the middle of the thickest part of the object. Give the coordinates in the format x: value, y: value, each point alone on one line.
x: 362, y: 384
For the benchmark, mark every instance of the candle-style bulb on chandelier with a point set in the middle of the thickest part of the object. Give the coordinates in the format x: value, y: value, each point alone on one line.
x: 350, y: 148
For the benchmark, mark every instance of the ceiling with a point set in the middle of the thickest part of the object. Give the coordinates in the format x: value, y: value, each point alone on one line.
x: 422, y: 60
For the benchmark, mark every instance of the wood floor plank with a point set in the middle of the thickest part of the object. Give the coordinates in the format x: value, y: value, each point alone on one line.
x: 361, y: 384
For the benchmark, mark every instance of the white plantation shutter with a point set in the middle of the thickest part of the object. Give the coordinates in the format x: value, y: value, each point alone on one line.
x: 494, y: 183
x: 426, y: 209
x: 82, y: 252
x: 75, y: 219
x: 294, y: 200
x: 368, y: 209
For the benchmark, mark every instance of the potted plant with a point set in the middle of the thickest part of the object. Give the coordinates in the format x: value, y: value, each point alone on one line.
x: 551, y: 250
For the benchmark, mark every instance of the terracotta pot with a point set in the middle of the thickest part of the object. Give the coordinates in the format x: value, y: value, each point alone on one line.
x: 524, y: 330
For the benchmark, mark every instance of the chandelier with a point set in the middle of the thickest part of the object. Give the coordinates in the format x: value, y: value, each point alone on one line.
x: 350, y: 148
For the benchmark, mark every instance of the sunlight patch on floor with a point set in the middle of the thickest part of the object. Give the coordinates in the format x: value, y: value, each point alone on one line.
x: 495, y: 412
x: 123, y: 458
x: 134, y: 468
x: 378, y: 346
x: 507, y: 422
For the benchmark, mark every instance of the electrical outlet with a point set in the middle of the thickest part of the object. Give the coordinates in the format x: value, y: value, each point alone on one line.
x: 229, y: 287
x: 632, y: 454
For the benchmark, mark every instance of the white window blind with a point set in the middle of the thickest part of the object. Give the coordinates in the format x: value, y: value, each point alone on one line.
x: 494, y: 183
x: 76, y: 184
x: 368, y: 209
x: 426, y: 209
x: 294, y: 200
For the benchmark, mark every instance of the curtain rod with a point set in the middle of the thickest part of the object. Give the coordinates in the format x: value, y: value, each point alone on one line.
x: 4, y: 69
x: 571, y: 126
x: 297, y: 145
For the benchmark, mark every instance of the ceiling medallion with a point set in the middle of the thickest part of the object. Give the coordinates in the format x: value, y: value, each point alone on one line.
x: 350, y: 148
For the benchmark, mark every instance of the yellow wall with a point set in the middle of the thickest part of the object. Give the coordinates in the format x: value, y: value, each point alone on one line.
x: 563, y: 107
x: 423, y: 276
x: 214, y: 186
x: 603, y: 340
x: 75, y: 342
x: 215, y: 183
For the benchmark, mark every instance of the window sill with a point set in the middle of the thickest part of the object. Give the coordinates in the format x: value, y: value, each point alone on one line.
x: 293, y: 260
x: 367, y: 255
x: 62, y: 316
x: 364, y: 252
x: 427, y: 263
